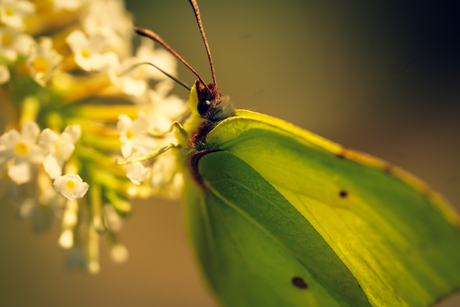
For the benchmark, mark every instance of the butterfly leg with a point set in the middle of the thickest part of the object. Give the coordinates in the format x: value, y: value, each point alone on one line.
x: 179, y: 132
x: 151, y: 155
x: 175, y: 126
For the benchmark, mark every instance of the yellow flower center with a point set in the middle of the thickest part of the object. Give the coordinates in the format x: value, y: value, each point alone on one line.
x: 70, y: 184
x: 40, y: 65
x: 129, y: 134
x: 22, y: 149
x: 9, y: 11
x: 85, y: 53
x: 56, y: 147
x: 6, y: 40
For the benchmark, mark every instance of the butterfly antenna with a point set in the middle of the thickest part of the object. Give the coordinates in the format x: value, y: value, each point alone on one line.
x: 161, y: 70
x: 196, y: 10
x: 159, y: 40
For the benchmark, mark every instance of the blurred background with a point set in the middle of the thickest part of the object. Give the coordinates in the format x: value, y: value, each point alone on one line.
x: 378, y: 76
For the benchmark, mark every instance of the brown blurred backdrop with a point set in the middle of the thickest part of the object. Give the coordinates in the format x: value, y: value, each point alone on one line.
x: 378, y: 76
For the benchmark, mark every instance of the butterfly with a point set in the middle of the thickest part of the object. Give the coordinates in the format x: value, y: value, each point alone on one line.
x: 279, y: 216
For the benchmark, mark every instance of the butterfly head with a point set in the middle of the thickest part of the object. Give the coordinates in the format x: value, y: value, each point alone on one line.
x: 208, y: 103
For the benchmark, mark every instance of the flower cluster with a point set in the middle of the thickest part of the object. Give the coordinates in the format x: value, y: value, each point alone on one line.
x: 69, y: 88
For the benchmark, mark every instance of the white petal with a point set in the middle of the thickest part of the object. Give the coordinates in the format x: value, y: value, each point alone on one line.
x: 10, y: 54
x: 47, y: 140
x: 147, y: 53
x: 162, y: 123
x: 163, y: 88
x: 72, y: 133
x: 77, y: 40
x: 143, y: 144
x: 72, y: 191
x: 30, y: 131
x: 126, y: 149
x: 35, y: 154
x: 23, y: 43
x: 4, y: 74
x: 108, y: 61
x: 24, y: 7
x: 20, y: 172
x: 53, y: 165
x: 65, y: 150
x: 97, y: 43
x: 141, y: 123
x: 68, y: 5
x: 45, y: 44
x: 130, y: 86
x: 80, y: 190
x: 86, y: 63
x: 9, y: 139
x: 124, y: 123
x: 172, y: 106
x: 137, y: 172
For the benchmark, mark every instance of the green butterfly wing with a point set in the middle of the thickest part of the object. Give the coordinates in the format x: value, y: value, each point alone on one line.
x: 281, y: 202
x: 255, y: 245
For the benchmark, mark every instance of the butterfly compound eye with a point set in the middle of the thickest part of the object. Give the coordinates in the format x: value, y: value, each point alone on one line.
x: 203, y: 107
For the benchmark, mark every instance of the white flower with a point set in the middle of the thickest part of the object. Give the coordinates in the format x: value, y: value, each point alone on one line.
x: 129, y: 81
x: 71, y: 186
x: 4, y: 74
x: 160, y: 57
x: 87, y: 51
x: 43, y: 61
x: 68, y: 5
x: 133, y: 135
x: 13, y: 12
x: 58, y: 148
x: 165, y: 108
x: 137, y: 172
x: 13, y: 42
x: 23, y: 149
x: 109, y: 19
x: 134, y: 81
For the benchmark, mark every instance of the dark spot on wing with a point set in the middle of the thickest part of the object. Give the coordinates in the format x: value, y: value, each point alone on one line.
x: 343, y: 194
x: 299, y: 282
x: 342, y: 154
x: 388, y: 168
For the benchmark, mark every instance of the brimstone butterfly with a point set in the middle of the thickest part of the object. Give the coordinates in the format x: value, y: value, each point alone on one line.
x: 281, y: 217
